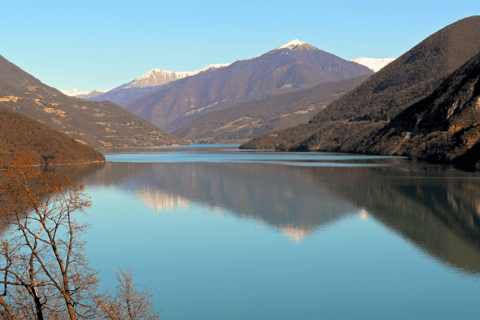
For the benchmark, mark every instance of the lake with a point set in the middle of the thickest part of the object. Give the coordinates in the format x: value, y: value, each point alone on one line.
x: 219, y: 232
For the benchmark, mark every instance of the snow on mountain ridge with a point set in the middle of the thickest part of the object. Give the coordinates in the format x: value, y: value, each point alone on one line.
x: 74, y: 92
x: 153, y: 77
x: 212, y: 66
x: 292, y: 44
x: 373, y: 64
x: 78, y: 92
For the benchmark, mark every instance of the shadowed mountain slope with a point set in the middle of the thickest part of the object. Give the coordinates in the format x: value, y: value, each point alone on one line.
x: 296, y: 65
x: 99, y: 124
x: 444, y: 127
x: 44, y: 145
x: 248, y: 120
x: 347, y: 121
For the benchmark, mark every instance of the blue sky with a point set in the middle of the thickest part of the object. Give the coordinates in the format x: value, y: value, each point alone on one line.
x: 102, y: 44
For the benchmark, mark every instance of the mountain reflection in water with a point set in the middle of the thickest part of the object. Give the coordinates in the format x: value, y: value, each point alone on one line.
x: 283, y: 197
x: 435, y: 208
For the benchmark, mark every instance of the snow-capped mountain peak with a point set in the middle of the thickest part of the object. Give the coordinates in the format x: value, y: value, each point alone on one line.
x: 157, y: 77
x: 373, y: 64
x: 154, y: 77
x: 292, y: 44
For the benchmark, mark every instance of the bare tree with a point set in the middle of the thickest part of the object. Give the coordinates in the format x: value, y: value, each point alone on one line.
x: 42, y: 250
x: 44, y: 273
x: 128, y: 303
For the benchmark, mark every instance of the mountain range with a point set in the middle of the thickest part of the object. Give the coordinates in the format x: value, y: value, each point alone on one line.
x: 245, y: 120
x: 296, y: 65
x: 157, y: 77
x: 348, y: 121
x: 236, y: 124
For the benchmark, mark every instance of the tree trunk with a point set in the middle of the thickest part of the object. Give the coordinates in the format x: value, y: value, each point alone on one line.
x: 71, y: 311
x: 38, y: 308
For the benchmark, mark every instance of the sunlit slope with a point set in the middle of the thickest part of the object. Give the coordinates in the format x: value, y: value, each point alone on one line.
x: 99, y: 124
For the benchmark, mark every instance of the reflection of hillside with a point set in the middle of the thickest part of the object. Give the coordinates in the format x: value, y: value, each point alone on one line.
x: 285, y: 197
x: 78, y: 173
x: 279, y: 196
x: 127, y: 175
x: 297, y: 234
x: 160, y: 200
x: 436, y: 210
x: 114, y: 173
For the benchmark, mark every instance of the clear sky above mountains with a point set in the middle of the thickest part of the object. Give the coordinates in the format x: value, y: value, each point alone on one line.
x: 103, y: 44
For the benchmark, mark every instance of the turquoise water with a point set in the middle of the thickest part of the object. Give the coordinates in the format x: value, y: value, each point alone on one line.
x: 218, y: 233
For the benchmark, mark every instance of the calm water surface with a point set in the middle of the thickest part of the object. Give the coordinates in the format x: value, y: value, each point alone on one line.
x: 219, y: 232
